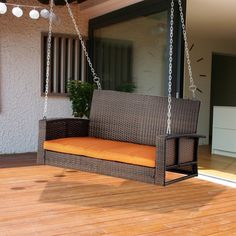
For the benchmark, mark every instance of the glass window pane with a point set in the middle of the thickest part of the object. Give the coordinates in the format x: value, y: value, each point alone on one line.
x: 133, y: 53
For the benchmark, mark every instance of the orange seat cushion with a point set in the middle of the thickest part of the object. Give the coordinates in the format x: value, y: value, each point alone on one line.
x: 131, y: 153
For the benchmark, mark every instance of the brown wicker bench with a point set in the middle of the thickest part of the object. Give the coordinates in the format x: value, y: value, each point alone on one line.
x: 133, y: 118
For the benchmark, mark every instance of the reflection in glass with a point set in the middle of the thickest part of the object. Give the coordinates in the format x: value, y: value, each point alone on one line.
x: 131, y: 56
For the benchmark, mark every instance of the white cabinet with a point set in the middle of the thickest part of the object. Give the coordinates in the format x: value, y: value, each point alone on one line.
x: 224, y: 131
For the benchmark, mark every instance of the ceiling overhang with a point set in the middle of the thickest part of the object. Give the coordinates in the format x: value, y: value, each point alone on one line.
x: 61, y: 2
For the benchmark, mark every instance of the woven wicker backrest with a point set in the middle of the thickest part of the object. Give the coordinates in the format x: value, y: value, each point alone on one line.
x: 139, y: 118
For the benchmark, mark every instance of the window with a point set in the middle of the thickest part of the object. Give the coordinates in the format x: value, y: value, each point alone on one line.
x: 131, y: 46
x: 67, y: 62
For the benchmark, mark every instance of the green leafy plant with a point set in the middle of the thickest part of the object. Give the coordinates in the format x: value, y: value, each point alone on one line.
x: 126, y: 87
x: 80, y: 94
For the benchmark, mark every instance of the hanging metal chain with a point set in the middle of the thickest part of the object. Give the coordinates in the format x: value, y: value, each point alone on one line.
x: 49, y: 44
x: 192, y: 86
x: 96, y: 79
x: 170, y: 68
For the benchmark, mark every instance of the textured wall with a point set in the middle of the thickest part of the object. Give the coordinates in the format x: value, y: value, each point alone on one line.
x: 21, y: 105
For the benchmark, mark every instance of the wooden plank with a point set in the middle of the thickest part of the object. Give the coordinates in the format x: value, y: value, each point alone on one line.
x: 91, y: 3
x: 43, y: 200
x: 102, y: 7
x: 39, y: 200
x: 216, y: 165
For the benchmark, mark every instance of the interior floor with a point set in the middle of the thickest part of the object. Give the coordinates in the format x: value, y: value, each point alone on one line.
x: 216, y: 165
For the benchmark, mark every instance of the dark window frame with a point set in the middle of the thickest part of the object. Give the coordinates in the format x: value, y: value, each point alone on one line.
x: 82, y: 68
x: 148, y: 7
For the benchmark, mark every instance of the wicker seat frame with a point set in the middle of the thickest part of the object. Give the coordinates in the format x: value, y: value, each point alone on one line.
x: 131, y: 118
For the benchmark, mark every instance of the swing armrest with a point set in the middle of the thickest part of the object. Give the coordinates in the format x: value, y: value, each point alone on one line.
x: 169, y: 145
x: 176, y: 151
x: 174, y: 136
x: 64, y: 127
x: 60, y: 128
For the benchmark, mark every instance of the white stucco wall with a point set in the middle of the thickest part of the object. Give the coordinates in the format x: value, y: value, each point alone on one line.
x: 204, y: 48
x: 21, y: 104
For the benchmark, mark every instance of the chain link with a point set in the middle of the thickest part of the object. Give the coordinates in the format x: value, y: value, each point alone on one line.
x: 96, y: 79
x: 192, y: 86
x: 170, y: 68
x: 49, y: 44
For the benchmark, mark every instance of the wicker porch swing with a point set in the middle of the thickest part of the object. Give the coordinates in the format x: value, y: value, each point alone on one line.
x: 128, y: 135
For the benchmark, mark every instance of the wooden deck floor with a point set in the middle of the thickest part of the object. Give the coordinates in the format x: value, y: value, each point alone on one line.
x: 43, y: 200
x: 213, y: 165
x: 216, y: 165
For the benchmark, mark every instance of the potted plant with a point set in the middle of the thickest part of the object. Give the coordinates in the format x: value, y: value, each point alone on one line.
x: 80, y: 94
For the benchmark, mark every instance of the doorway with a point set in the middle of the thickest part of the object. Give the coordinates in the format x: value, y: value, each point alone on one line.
x: 223, y: 83
x: 219, y: 161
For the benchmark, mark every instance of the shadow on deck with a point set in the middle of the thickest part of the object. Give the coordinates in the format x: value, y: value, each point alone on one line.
x: 189, y: 195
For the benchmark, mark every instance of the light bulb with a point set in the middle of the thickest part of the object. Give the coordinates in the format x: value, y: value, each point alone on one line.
x: 16, y: 11
x: 3, y: 8
x: 56, y: 19
x: 34, y: 14
x: 44, y: 13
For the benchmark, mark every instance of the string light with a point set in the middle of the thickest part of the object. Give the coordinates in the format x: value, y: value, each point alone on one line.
x: 3, y: 8
x: 17, y: 11
x: 44, y: 13
x: 35, y: 13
